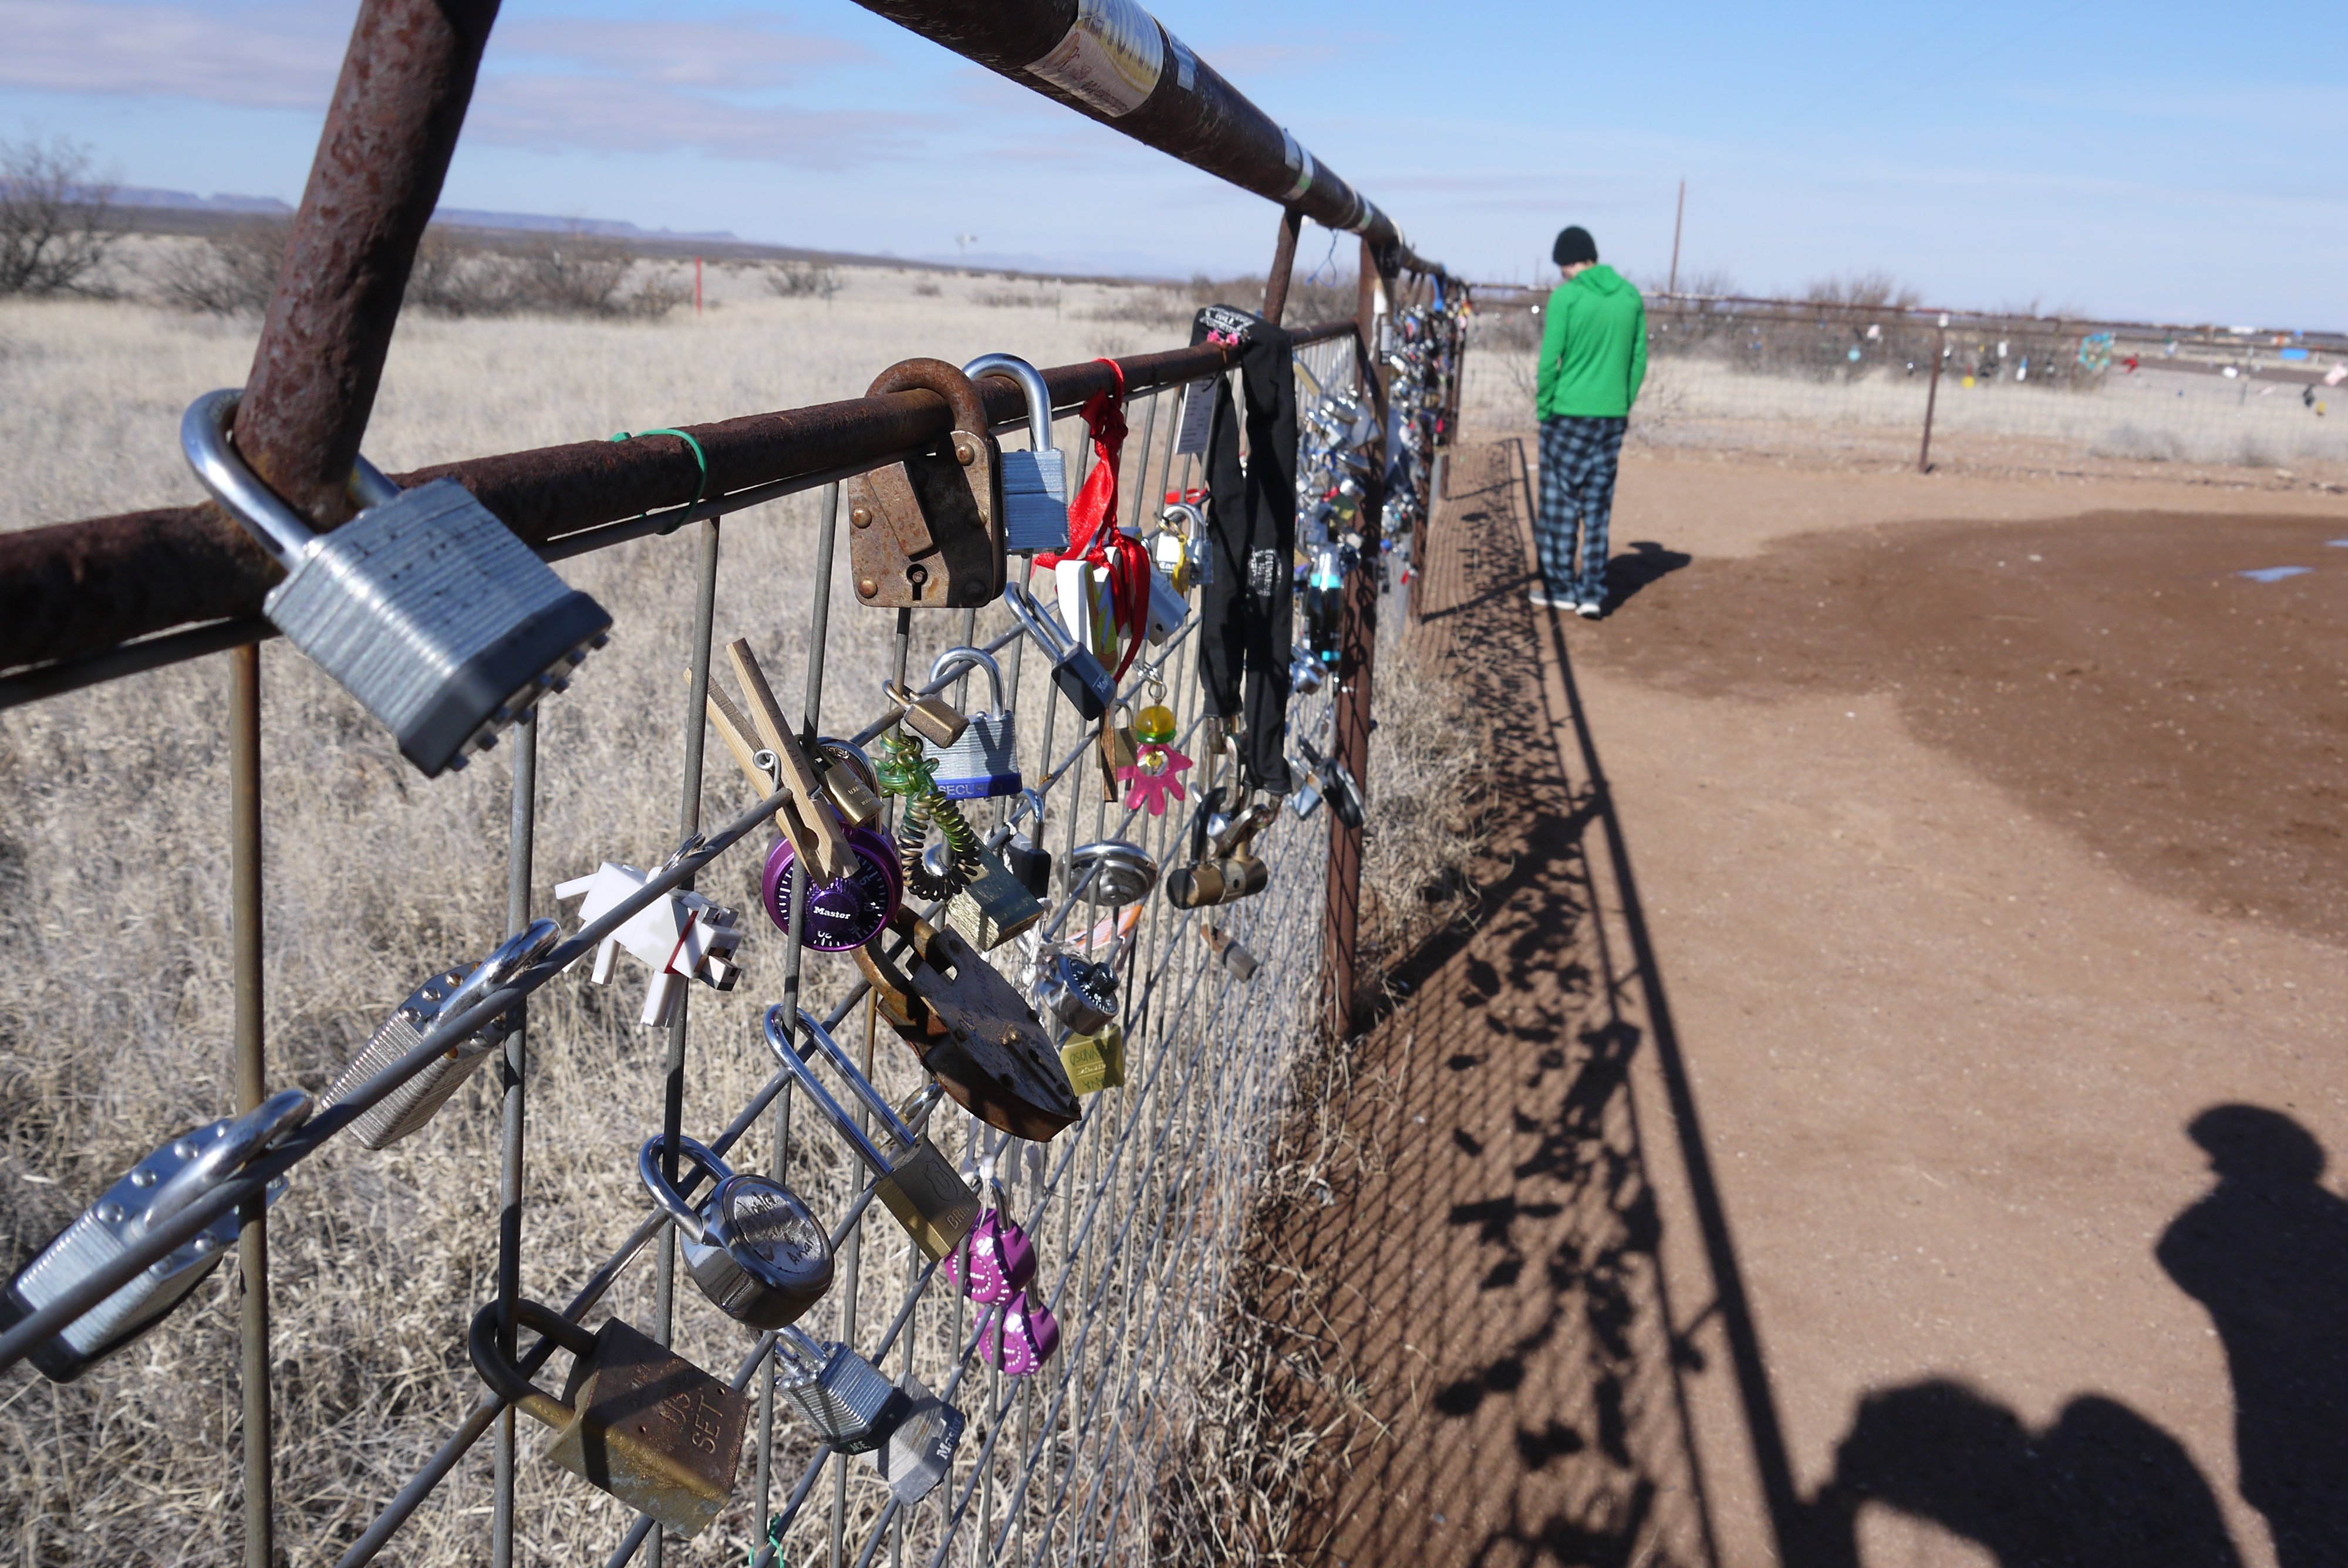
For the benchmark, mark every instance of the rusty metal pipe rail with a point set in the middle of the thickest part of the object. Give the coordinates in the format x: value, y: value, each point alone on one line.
x: 1112, y: 61
x: 83, y: 602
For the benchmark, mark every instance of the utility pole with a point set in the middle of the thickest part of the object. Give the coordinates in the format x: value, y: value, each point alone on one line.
x: 1672, y: 285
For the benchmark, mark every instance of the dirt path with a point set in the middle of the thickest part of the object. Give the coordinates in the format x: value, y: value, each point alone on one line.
x: 1790, y: 1161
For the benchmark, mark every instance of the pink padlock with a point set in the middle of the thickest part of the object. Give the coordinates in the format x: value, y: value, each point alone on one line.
x: 1021, y: 1338
x: 1002, y: 1259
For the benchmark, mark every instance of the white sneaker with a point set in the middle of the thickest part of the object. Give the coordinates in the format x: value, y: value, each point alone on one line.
x: 1590, y: 609
x: 1547, y: 601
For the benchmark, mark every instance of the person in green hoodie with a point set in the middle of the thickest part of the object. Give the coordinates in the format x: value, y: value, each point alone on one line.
x: 1594, y: 357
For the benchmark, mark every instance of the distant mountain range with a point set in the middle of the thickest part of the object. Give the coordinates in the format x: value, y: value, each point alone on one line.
x: 456, y: 217
x: 1090, y: 264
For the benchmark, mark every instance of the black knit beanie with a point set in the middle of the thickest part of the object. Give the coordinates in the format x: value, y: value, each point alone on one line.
x: 1573, y: 245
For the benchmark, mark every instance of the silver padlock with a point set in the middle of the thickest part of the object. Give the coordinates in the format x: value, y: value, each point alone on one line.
x: 158, y: 1186
x: 920, y: 1454
x: 1081, y: 995
x: 408, y: 1107
x: 1111, y: 873
x: 983, y: 761
x: 424, y: 607
x: 1034, y: 482
x: 755, y: 1249
x: 916, y: 1184
x: 1081, y: 677
x: 852, y: 1405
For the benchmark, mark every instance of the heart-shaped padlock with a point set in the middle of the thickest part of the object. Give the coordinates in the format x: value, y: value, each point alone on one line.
x: 844, y: 914
x: 1001, y: 1259
x: 1021, y: 1338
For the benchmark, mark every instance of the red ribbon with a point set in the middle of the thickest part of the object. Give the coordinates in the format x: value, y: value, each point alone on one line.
x: 1093, y: 533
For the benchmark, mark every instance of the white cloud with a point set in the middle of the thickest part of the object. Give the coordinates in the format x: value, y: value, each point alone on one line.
x: 265, y: 56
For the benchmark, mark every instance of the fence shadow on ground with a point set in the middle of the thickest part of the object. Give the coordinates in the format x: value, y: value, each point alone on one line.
x: 1477, y: 1313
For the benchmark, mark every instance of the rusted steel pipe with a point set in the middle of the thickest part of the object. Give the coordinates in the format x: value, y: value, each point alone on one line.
x: 389, y: 134
x: 1112, y: 61
x: 74, y: 589
x: 1283, y: 263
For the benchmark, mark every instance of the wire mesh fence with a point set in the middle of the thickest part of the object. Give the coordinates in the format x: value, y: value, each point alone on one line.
x: 1136, y: 1210
x: 2010, y: 388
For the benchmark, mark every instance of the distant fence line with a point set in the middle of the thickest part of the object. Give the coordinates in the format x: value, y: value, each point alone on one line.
x: 2117, y: 389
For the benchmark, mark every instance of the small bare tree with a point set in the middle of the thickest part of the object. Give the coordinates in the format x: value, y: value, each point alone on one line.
x: 54, y: 227
x: 229, y: 274
x: 801, y: 279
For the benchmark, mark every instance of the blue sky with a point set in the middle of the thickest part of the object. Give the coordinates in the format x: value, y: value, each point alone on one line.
x: 2146, y: 159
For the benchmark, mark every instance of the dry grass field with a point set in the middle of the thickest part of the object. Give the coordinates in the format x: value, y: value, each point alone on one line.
x: 115, y: 1010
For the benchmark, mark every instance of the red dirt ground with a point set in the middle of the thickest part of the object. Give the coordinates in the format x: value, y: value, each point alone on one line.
x: 1876, y: 1113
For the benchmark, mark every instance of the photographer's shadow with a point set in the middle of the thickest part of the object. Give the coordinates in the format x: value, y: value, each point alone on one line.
x: 2266, y: 1253
x: 2101, y: 1488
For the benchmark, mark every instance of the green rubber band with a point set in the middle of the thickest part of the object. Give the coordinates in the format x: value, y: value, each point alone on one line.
x: 698, y: 456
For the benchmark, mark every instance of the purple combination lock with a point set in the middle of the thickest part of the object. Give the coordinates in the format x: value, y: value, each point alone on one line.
x: 1021, y: 1338
x: 841, y: 915
x: 1002, y: 1259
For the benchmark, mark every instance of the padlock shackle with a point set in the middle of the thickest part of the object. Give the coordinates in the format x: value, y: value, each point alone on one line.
x: 511, y: 956
x: 964, y: 658
x: 1038, y: 624
x: 505, y: 1379
x: 859, y: 1085
x: 239, y: 1139
x: 807, y: 1352
x: 648, y: 1169
x: 936, y: 375
x: 284, y: 532
x: 804, y: 1071
x: 1011, y: 367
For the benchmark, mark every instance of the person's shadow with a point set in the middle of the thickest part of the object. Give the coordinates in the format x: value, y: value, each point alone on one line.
x: 2101, y: 1488
x: 1627, y: 574
x: 2266, y: 1252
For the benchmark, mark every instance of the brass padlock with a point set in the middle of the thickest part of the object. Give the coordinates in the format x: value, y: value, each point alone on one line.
x: 992, y: 906
x: 973, y: 1031
x: 1205, y: 882
x: 1120, y: 748
x: 1094, y: 1061
x: 636, y: 1420
x: 933, y: 718
x: 927, y: 533
x: 848, y: 780
x: 934, y: 1203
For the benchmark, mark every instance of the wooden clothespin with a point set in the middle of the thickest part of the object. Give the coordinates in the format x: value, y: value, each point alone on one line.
x: 806, y: 817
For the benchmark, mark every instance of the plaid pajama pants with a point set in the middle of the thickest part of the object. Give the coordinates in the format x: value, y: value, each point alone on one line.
x: 1577, y: 456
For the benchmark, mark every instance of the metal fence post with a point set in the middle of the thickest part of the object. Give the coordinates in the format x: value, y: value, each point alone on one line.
x: 1357, y: 651
x: 251, y: 1086
x: 512, y: 1064
x: 1932, y: 396
x: 1283, y: 263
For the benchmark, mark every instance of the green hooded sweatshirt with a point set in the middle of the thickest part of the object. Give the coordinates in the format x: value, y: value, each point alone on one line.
x: 1594, y: 349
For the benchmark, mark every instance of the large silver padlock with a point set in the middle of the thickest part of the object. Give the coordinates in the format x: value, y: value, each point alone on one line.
x: 916, y: 1184
x: 753, y: 1246
x: 1081, y: 677
x: 156, y: 1188
x: 408, y: 1107
x: 848, y: 1401
x: 424, y: 607
x: 1034, y: 482
x: 983, y: 760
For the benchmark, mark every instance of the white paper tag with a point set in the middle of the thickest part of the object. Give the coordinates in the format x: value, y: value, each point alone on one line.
x: 1110, y: 58
x: 1198, y: 408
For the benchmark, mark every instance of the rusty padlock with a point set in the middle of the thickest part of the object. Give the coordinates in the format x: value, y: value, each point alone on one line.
x: 927, y: 533
x: 973, y: 1031
x: 636, y: 1420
